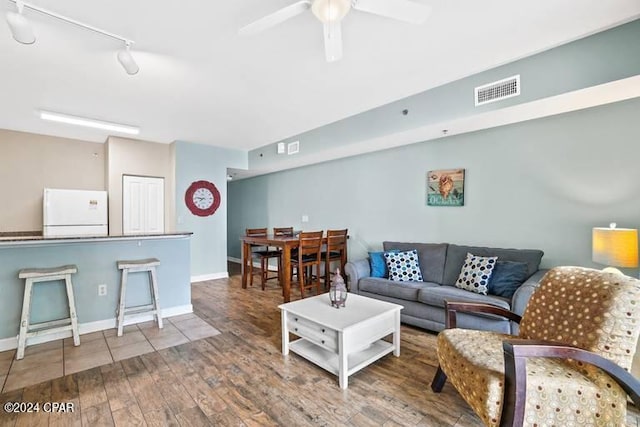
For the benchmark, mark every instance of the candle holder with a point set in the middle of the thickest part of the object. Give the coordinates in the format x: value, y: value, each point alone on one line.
x: 338, y: 290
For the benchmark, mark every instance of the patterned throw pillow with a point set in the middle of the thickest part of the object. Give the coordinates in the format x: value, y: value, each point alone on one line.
x: 403, y: 266
x: 475, y: 273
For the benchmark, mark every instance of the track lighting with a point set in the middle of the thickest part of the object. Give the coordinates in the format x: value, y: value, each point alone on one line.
x: 20, y: 27
x: 23, y: 32
x: 127, y: 61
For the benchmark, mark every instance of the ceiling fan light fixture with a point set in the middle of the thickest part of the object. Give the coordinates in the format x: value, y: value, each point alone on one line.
x: 329, y: 11
x: 127, y: 61
x: 20, y: 27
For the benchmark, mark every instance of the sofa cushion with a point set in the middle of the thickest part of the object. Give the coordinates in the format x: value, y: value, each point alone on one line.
x: 401, y: 290
x: 437, y: 296
x: 507, y: 277
x: 456, y: 255
x: 430, y: 255
x: 403, y: 266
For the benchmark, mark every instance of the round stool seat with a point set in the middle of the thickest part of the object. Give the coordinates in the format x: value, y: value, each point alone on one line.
x: 42, y: 272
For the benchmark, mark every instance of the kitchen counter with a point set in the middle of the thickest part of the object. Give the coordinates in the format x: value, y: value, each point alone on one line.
x: 8, y: 240
x: 95, y: 257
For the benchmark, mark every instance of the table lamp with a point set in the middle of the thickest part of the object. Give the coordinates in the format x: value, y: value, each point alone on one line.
x: 615, y: 247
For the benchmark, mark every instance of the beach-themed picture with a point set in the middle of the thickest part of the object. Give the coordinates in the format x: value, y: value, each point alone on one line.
x: 445, y: 187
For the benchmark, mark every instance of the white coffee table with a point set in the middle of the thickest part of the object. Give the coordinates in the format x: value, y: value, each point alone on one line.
x: 343, y: 340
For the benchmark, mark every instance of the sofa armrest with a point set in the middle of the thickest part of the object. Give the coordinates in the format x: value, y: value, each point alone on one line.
x: 523, y: 293
x: 356, y: 270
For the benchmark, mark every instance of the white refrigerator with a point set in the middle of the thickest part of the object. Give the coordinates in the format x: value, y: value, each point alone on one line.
x: 74, y: 213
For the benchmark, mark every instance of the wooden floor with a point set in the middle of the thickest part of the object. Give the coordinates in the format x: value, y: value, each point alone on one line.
x: 241, y: 378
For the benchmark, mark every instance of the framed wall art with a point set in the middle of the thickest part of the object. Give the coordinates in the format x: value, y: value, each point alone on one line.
x: 445, y: 187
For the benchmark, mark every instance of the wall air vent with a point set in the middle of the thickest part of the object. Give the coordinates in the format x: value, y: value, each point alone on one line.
x: 497, y: 91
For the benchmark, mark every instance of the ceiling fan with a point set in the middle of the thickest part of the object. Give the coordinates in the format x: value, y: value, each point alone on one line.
x: 331, y: 12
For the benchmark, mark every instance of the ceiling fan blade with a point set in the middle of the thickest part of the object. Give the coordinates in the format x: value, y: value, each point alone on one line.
x: 333, y: 41
x: 275, y: 18
x: 402, y: 10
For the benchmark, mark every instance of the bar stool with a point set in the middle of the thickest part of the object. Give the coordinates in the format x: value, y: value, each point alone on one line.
x: 28, y: 329
x: 134, y: 266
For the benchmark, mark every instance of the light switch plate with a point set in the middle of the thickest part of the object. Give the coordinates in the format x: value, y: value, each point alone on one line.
x: 281, y: 148
x: 305, y: 218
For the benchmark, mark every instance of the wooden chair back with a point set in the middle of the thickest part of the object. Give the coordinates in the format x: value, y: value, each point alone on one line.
x: 256, y: 232
x: 310, y: 244
x: 282, y: 231
x: 336, y: 240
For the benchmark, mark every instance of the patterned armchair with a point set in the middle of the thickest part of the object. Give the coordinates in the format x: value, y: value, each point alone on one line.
x: 567, y: 367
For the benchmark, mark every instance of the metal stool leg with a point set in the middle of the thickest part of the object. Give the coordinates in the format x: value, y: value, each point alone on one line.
x: 24, y: 320
x: 156, y: 298
x: 123, y: 292
x: 72, y: 310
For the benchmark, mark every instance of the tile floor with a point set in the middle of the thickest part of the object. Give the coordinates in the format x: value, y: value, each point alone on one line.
x: 54, y: 359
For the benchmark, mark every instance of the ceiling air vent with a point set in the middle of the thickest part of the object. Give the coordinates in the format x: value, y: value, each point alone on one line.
x: 497, y: 91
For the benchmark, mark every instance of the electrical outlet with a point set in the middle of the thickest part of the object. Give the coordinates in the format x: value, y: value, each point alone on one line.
x: 102, y: 290
x: 305, y: 218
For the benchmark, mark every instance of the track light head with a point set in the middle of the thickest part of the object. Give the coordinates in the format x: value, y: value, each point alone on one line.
x: 127, y: 61
x: 20, y: 26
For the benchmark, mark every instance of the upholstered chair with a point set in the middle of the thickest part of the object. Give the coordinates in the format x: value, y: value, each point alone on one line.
x: 570, y: 363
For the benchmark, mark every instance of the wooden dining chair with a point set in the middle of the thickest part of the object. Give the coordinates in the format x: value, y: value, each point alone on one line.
x: 264, y: 254
x: 282, y: 231
x: 336, y: 250
x: 309, y: 248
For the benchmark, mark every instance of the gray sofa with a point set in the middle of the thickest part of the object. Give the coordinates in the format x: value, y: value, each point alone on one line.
x: 440, y: 265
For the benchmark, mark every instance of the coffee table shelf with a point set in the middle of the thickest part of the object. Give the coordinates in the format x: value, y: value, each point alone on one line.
x: 330, y: 361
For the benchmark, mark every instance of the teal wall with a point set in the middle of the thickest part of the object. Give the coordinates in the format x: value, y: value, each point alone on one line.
x: 607, y: 56
x: 195, y: 162
x: 538, y: 184
x: 96, y: 263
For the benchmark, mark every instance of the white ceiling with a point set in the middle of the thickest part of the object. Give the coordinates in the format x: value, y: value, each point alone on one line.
x: 201, y: 82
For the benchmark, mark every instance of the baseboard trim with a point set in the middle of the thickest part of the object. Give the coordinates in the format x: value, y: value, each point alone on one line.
x: 98, y: 325
x: 211, y: 276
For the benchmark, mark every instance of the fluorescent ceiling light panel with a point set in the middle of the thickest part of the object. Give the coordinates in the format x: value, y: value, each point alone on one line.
x: 91, y: 123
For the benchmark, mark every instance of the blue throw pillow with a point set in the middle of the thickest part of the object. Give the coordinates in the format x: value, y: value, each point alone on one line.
x: 378, y: 264
x: 507, y: 277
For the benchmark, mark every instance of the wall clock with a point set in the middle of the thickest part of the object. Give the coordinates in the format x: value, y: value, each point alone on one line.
x: 202, y: 198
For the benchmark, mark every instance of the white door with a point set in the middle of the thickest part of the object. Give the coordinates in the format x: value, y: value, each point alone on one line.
x: 142, y: 204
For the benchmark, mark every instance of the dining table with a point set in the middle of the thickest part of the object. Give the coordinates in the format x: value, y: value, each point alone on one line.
x: 286, y: 243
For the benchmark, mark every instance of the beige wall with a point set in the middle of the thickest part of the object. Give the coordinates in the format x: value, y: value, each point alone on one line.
x: 133, y: 157
x: 31, y: 162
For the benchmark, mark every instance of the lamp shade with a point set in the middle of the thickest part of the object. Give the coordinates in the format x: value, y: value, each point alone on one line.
x: 330, y: 10
x: 616, y: 247
x: 21, y: 28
